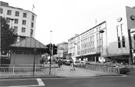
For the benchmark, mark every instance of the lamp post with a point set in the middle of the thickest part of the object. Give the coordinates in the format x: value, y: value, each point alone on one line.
x: 12, y: 22
x: 51, y: 51
x: 34, y: 62
x: 0, y: 37
x: 101, y: 32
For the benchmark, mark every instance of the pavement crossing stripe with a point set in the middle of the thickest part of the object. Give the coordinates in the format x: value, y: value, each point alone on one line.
x: 40, y: 82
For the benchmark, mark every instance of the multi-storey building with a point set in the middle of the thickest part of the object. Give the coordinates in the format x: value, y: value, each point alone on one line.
x: 22, y: 21
x: 62, y: 49
x: 112, y: 39
x: 72, y: 43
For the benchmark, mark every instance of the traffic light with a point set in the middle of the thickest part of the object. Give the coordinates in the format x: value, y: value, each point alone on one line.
x: 54, y: 49
x: 51, y: 48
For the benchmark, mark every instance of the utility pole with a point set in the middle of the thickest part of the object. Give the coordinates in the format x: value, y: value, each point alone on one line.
x: 0, y: 37
x: 51, y: 51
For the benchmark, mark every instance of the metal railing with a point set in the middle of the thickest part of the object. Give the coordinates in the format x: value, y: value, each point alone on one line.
x: 26, y: 69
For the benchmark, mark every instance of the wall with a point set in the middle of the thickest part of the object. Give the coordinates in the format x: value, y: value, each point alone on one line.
x: 24, y: 58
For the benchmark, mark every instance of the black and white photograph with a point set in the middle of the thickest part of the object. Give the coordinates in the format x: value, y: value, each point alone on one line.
x: 67, y: 43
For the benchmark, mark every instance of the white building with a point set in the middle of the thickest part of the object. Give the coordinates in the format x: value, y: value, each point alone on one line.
x: 72, y: 47
x: 109, y: 39
x: 22, y: 21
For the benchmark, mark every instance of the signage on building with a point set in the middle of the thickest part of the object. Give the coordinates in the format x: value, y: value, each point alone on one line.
x: 119, y: 19
x: 132, y: 17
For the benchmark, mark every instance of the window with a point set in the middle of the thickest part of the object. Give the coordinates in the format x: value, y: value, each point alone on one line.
x: 8, y: 19
x: 123, y: 37
x: 25, y: 15
x: 1, y: 10
x: 118, y: 36
x: 15, y: 28
x: 31, y: 33
x: 23, y: 22
x: 32, y: 24
x: 17, y: 13
x: 16, y: 21
x: 32, y: 17
x: 23, y: 29
x: 18, y: 52
x: 8, y: 12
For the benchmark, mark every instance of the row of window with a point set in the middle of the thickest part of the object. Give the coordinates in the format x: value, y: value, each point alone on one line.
x: 23, y: 30
x: 17, y: 13
x: 16, y: 21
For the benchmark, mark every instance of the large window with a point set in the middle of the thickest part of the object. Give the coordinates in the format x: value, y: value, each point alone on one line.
x: 23, y: 22
x: 17, y: 13
x: 32, y: 17
x: 8, y: 12
x: 25, y: 15
x: 16, y: 21
x: 1, y: 10
x: 32, y: 24
x: 23, y: 29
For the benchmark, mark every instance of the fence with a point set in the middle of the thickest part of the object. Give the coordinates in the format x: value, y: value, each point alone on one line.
x: 26, y: 70
x: 102, y: 67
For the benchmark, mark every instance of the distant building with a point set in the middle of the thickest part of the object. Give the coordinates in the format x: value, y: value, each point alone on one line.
x: 72, y: 47
x: 62, y: 49
x: 109, y: 39
x: 22, y: 21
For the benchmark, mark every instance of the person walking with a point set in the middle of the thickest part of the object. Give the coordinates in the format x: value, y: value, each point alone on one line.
x: 59, y: 63
x: 72, y: 65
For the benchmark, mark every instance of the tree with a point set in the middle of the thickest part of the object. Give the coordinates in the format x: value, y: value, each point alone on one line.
x: 8, y: 36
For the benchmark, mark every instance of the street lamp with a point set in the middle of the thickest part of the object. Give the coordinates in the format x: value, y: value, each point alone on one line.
x: 51, y: 51
x: 34, y: 62
x: 101, y: 32
x: 12, y: 22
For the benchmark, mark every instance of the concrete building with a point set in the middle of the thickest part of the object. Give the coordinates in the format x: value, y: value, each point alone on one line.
x: 72, y: 49
x: 109, y: 39
x: 62, y: 49
x: 22, y: 21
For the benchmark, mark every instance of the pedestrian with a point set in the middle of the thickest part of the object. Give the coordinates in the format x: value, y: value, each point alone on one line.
x: 72, y: 65
x: 59, y: 63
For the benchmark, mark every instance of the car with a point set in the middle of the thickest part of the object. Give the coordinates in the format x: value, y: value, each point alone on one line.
x: 77, y: 63
x: 124, y: 70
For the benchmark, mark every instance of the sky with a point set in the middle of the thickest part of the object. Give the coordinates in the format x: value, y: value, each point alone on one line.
x: 65, y: 18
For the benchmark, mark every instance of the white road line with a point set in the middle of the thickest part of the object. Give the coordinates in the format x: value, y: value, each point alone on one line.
x: 40, y: 82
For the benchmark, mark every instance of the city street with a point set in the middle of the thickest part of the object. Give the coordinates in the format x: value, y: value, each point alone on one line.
x: 98, y: 81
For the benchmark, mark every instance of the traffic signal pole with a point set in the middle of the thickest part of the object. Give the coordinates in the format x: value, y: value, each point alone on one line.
x: 50, y: 49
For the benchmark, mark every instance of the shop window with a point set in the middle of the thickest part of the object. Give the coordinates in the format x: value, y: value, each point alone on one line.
x: 18, y: 52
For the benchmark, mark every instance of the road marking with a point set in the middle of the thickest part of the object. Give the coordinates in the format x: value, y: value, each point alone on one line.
x: 40, y: 82
x: 124, y: 75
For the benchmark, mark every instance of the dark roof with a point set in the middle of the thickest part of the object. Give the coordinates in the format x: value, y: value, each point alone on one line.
x: 29, y: 43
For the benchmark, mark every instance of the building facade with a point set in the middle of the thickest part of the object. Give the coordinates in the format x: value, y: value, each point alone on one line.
x: 72, y: 47
x: 62, y: 49
x: 22, y: 21
x: 109, y: 39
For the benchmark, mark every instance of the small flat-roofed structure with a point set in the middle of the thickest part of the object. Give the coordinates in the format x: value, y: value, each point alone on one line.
x: 27, y: 51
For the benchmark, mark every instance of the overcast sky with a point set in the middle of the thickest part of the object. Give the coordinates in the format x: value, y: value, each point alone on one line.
x: 67, y: 17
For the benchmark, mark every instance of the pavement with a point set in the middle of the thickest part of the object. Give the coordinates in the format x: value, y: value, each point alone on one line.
x: 65, y: 71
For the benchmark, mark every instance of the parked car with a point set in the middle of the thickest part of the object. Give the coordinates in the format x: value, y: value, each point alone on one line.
x: 124, y: 69
x: 77, y: 63
x: 68, y: 62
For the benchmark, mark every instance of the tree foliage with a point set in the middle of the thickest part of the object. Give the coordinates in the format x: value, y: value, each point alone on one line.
x: 8, y: 36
